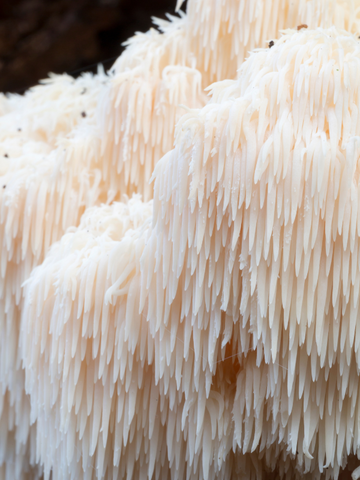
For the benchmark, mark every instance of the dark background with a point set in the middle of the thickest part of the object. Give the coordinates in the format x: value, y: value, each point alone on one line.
x: 42, y: 36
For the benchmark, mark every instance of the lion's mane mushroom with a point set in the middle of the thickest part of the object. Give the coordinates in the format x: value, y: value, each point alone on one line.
x: 51, y: 117
x: 235, y: 338
x: 247, y: 281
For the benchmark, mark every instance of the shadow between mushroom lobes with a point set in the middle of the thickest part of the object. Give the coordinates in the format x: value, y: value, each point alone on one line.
x: 219, y: 338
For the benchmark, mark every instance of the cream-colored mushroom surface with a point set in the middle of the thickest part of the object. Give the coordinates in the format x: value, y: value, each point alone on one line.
x: 152, y: 83
x: 59, y: 154
x: 222, y: 32
x: 45, y: 186
x: 286, y: 320
x: 213, y: 333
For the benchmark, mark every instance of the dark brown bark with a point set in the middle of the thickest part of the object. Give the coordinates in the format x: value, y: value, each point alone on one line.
x: 42, y: 36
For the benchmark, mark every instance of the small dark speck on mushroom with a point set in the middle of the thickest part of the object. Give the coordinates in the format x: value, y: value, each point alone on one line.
x: 83, y: 114
x: 271, y: 43
x: 4, y: 186
x: 19, y: 129
x: 83, y: 91
x: 303, y: 25
x: 6, y: 155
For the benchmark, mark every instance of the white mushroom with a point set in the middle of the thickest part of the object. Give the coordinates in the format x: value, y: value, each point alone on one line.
x: 150, y: 84
x: 222, y: 32
x: 234, y: 312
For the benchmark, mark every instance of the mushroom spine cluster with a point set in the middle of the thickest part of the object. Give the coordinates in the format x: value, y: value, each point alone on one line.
x: 180, y: 265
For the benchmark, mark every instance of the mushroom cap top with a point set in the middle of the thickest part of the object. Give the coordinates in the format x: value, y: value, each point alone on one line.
x: 302, y: 91
x: 316, y: 68
x: 229, y: 29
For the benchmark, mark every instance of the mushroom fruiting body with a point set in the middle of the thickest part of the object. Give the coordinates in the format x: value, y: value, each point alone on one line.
x: 70, y: 144
x: 235, y: 309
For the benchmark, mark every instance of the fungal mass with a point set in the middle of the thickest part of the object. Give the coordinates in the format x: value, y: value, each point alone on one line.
x: 180, y: 254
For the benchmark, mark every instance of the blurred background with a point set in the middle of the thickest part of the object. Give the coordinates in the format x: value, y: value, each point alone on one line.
x: 42, y: 36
